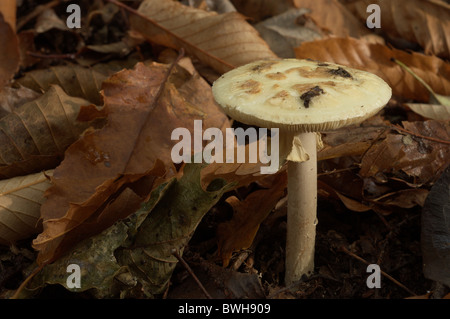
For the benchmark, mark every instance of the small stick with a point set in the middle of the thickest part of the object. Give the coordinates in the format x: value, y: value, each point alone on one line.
x: 437, y: 140
x: 184, y: 263
x: 345, y: 250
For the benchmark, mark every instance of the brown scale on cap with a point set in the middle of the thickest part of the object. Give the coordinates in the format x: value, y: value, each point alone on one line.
x: 276, y: 76
x: 252, y: 86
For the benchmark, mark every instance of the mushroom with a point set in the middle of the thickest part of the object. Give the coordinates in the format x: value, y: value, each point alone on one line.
x: 301, y: 98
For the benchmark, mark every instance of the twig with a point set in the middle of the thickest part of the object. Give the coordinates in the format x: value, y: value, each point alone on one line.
x: 345, y: 250
x: 185, y: 265
x: 37, y: 11
x: 437, y: 140
x: 26, y: 281
x: 71, y: 56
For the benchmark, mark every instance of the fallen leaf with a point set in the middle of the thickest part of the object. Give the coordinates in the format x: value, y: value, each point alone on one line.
x: 349, y: 141
x: 150, y: 256
x: 239, y: 232
x: 48, y: 20
x: 20, y: 203
x: 143, y: 107
x: 423, y: 22
x: 283, y: 33
x: 12, y: 98
x: 35, y: 135
x: 420, y: 158
x: 220, y: 283
x: 74, y: 80
x: 376, y: 58
x: 221, y: 41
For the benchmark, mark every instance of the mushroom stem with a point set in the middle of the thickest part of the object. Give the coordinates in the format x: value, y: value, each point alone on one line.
x: 302, y: 212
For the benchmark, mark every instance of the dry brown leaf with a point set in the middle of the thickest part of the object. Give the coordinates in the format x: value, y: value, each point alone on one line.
x: 420, y: 158
x: 75, y: 81
x: 283, y: 32
x: 420, y: 21
x: 143, y: 108
x: 12, y: 98
x: 20, y: 203
x: 376, y: 58
x: 239, y: 232
x: 9, y: 52
x: 221, y: 41
x: 333, y: 18
x: 34, y: 136
x: 349, y: 141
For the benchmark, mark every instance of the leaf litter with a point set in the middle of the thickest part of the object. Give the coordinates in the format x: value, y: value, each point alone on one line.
x: 116, y: 191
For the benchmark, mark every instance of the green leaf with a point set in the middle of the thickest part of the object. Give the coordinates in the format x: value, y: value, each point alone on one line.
x: 169, y: 227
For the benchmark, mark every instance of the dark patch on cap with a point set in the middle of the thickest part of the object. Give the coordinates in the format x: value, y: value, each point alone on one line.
x: 307, y: 96
x: 340, y: 72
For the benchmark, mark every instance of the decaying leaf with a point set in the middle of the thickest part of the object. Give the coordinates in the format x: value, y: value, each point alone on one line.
x: 143, y: 107
x: 12, y: 98
x: 420, y: 158
x: 138, y: 251
x: 35, y: 135
x: 20, y: 203
x: 169, y: 227
x: 376, y: 58
x: 283, y: 33
x: 74, y: 80
x: 222, y: 41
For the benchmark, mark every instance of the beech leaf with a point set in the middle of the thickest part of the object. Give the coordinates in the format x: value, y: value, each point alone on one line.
x: 222, y: 41
x: 143, y: 107
x: 74, y: 80
x: 20, y: 203
x: 35, y: 135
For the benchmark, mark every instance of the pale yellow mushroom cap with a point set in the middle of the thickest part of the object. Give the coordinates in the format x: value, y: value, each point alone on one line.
x: 300, y: 95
